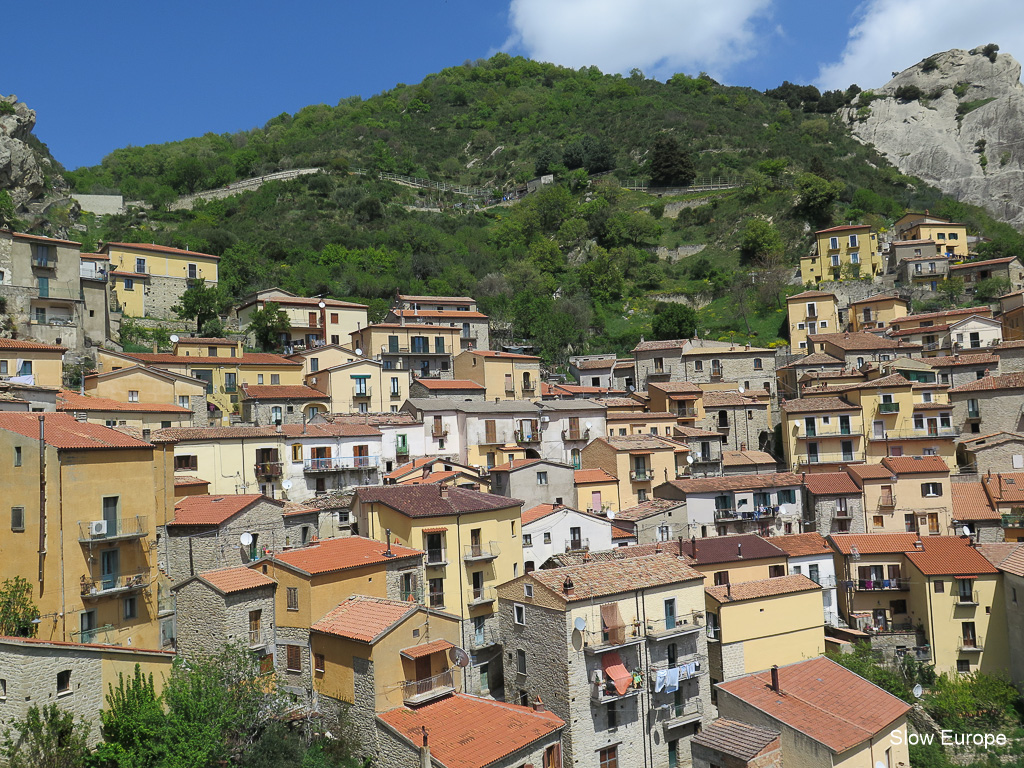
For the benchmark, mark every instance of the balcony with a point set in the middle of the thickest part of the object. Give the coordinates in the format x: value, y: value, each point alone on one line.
x: 44, y: 262
x: 575, y: 434
x: 484, y: 637
x: 437, y: 557
x: 973, y: 413
x: 429, y: 688
x: 256, y: 639
x: 605, y: 692
x: 340, y: 463
x: 529, y: 386
x: 831, y: 432
x: 689, y: 711
x: 1011, y: 521
x: 525, y: 436
x: 882, y: 585
x: 411, y: 595
x: 482, y: 596
x: 114, y: 584
x: 228, y: 389
x: 641, y: 475
x: 826, y: 458
x: 753, y: 514
x: 888, y: 407
x: 842, y: 514
x: 481, y: 552
x: 970, y: 645
x: 968, y: 598
x: 402, y: 453
x: 683, y: 625
x: 268, y: 468
x: 40, y: 318
x: 887, y: 501
x: 438, y: 433
x: 825, y: 582
x: 663, y: 370
x: 684, y: 412
x: 362, y: 392
x: 575, y: 545
x: 717, y: 374
x: 121, y: 529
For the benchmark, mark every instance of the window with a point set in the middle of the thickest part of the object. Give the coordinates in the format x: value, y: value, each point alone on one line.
x: 835, y: 259
x: 521, y: 661
x: 931, y: 489
x: 774, y: 571
x: 3, y: 367
x: 394, y: 386
x: 133, y: 395
x: 259, y: 378
x: 519, y: 614
x: 613, y: 715
x: 963, y: 665
x: 938, y: 586
x: 64, y: 681
x: 608, y: 757
x: 673, y: 754
x: 318, y: 662
x: 183, y: 401
x: 855, y: 258
x: 833, y: 243
x: 698, y: 365
x: 3, y: 690
x: 293, y: 598
x: 193, y: 271
x: 528, y: 590
x: 542, y: 478
x: 26, y: 368
x: 296, y: 451
x: 721, y: 578
x: 276, y: 415
x: 186, y: 463
x: 547, y: 537
x: 758, y: 365
x: 294, y: 658
x: 275, y: 379
x: 17, y: 519
x: 527, y: 539
x: 436, y: 587
x: 787, y: 496
x: 131, y: 608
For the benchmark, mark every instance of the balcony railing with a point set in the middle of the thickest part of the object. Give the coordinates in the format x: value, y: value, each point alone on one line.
x: 255, y: 638
x: 887, y: 501
x: 1011, y: 521
x: 481, y: 596
x: 575, y: 434
x: 529, y: 386
x: 228, y: 389
x: 825, y: 582
x: 115, y: 584
x: 605, y: 691
x: 888, y: 407
x: 716, y: 373
x: 411, y: 594
x: 686, y: 412
x: 268, y: 468
x: 576, y: 544
x: 641, y: 475
x: 878, y: 585
x: 120, y: 529
x: 685, y: 712
x: 402, y: 453
x: 437, y: 556
x: 483, y: 551
x: 665, y: 370
x: 969, y: 598
x: 971, y: 644
x: 973, y: 413
x: 689, y: 622
x: 419, y: 691
x: 362, y: 392
x: 44, y: 263
x: 484, y: 637
x: 339, y: 463
x: 526, y: 436
x: 826, y: 458
x: 752, y: 514
x: 438, y: 433
x: 832, y: 432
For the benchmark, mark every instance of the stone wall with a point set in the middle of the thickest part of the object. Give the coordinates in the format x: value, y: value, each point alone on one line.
x: 1000, y: 411
x: 162, y: 293
x: 300, y: 682
x: 733, y: 663
x: 821, y: 514
x: 187, y: 201
x: 997, y: 458
x: 101, y: 205
x: 206, y: 620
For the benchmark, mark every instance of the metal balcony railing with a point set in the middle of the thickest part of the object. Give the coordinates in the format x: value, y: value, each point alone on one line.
x: 122, y: 528
x: 44, y: 262
x: 437, y: 556
x: 968, y: 598
x: 716, y: 373
x: 752, y: 514
x: 971, y: 644
x: 481, y: 596
x: 577, y: 544
x: 973, y: 413
x: 526, y: 436
x: 575, y: 434
x: 664, y: 370
x: 887, y: 501
x: 402, y: 452
x: 113, y: 584
x: 438, y: 433
x: 686, y: 413
x: 888, y: 407
x: 687, y: 622
x: 826, y: 458
x: 641, y: 475
x: 685, y: 712
x: 268, y: 468
x: 419, y: 691
x: 362, y: 392
x: 483, y: 551
x: 255, y: 638
x: 411, y: 594
x: 825, y: 582
x: 484, y: 637
x: 529, y: 386
x: 338, y: 463
x: 228, y: 388
x: 877, y: 585
x: 832, y: 432
x: 1011, y: 521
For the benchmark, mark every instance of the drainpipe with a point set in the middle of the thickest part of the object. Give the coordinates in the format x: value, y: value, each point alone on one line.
x: 42, y: 500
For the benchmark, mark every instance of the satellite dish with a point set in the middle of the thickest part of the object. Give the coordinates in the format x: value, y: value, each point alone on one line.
x: 689, y: 459
x: 879, y: 764
x: 918, y: 690
x: 631, y: 388
x: 174, y: 338
x: 321, y: 304
x: 965, y: 531
x: 245, y: 539
x: 577, y: 640
x: 459, y: 657
x: 742, y: 390
x: 286, y: 484
x: 359, y: 351
x: 580, y: 623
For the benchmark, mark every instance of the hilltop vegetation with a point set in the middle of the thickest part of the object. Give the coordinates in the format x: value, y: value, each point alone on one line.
x: 573, y: 267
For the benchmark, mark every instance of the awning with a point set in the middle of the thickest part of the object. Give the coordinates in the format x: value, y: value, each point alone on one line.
x: 418, y: 651
x: 434, y: 530
x: 359, y: 376
x: 640, y: 453
x: 614, y: 669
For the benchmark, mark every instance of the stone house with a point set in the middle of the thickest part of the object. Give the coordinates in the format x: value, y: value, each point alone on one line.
x: 593, y: 370
x: 534, y: 481
x: 1011, y: 356
x: 658, y: 520
x: 734, y: 744
x: 973, y: 272
x: 1004, y: 491
x: 742, y: 419
x: 706, y: 449
x: 856, y: 349
x: 702, y: 361
x: 147, y: 280
x: 1009, y: 559
x: 617, y: 649
x: 833, y: 503
x: 792, y: 374
x: 566, y: 426
x: 314, y: 322
x: 1011, y: 314
x: 463, y: 389
x: 954, y: 370
x: 997, y: 452
x: 973, y: 509
x: 231, y: 605
x: 267, y: 404
x: 748, y: 463
x: 916, y: 270
x: 989, y: 404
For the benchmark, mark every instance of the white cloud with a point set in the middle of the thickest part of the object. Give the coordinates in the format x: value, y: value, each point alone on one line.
x: 891, y: 35
x: 660, y: 37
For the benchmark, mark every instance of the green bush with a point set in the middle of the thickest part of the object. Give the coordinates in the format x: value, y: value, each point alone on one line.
x: 908, y: 93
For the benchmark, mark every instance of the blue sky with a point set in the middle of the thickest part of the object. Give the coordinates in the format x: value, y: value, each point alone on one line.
x: 107, y: 74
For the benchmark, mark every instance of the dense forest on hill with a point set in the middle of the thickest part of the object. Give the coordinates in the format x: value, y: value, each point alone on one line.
x: 572, y: 267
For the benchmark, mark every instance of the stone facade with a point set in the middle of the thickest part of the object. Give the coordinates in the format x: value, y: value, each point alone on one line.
x: 207, y: 619
x: 745, y: 427
x: 997, y: 456
x: 999, y: 410
x: 726, y: 661
x: 692, y: 361
x: 820, y: 514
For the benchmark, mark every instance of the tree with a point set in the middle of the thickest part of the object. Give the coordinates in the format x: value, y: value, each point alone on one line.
x: 992, y: 287
x: 17, y: 611
x: 761, y: 242
x: 816, y: 196
x: 670, y: 164
x: 202, y: 303
x: 631, y: 228
x: 46, y: 738
x: 951, y: 288
x: 8, y: 219
x: 187, y: 174
x: 267, y: 325
x: 132, y: 723
x: 673, y: 320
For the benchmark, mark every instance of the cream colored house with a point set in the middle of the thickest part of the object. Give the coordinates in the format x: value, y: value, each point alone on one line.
x: 506, y: 375
x: 809, y: 313
x: 361, y: 386
x: 314, y: 321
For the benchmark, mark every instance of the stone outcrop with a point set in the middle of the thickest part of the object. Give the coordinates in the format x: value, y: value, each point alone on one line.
x: 965, y: 134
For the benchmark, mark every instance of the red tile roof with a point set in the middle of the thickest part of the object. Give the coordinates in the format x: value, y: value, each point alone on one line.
x: 818, y: 358
x: 970, y: 502
x: 65, y: 433
x: 915, y: 465
x: 987, y: 262
x: 582, y: 476
x: 206, y: 509
x: 1005, y: 487
x: 439, y: 384
x: 29, y: 346
x: 830, y: 484
x: 105, y: 247
x: 949, y: 556
x: 433, y: 501
x: 363, y: 618
x: 281, y: 392
x: 718, y: 399
x: 493, y: 353
x: 1014, y: 562
x: 874, y: 543
x: 181, y: 434
x: 1006, y: 381
x: 437, y: 299
x: 802, y: 544
x: 858, y: 341
x: 747, y: 458
x: 647, y: 508
x: 823, y: 700
x: 953, y: 360
x: 433, y: 313
x: 249, y: 358
x: 754, y: 590
x: 941, y: 313
x: 811, y: 295
x: 240, y: 579
x: 641, y: 416
x: 729, y: 549
x: 610, y: 577
x: 622, y: 533
x: 511, y: 464
x: 736, y: 739
x: 862, y: 472
x: 72, y: 401
x: 331, y: 555
x: 536, y: 513
x: 472, y: 732
x: 186, y: 480
x: 419, y: 651
x: 736, y: 482
x: 208, y: 341
x: 843, y: 228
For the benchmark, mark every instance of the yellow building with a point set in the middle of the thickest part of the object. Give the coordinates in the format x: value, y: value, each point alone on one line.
x: 809, y: 313
x: 949, y: 237
x: 821, y: 433
x: 641, y: 423
x: 425, y: 350
x: 878, y: 311
x: 86, y: 551
x: 202, y: 346
x: 638, y: 462
x: 323, y: 357
x: 361, y: 386
x: 314, y: 321
x: 596, y: 491
x: 680, y: 398
x: 150, y: 385
x: 843, y: 253
x: 40, y: 365
x: 755, y: 624
x: 1011, y: 313
x: 114, y: 413
x: 147, y: 280
x: 506, y: 375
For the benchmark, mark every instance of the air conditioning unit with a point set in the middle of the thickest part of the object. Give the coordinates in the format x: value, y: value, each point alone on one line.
x: 98, y: 528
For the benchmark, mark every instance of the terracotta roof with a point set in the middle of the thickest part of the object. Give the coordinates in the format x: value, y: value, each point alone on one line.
x: 208, y: 341
x: 1017, y: 344
x: 682, y: 431
x: 874, y: 543
x: 997, y: 552
x: 401, y: 419
x: 281, y: 392
x: 736, y: 739
x: 231, y: 580
x: 181, y: 434
x: 830, y: 484
x: 29, y: 346
x: 987, y: 262
x: 641, y: 416
x: 493, y: 353
x: 864, y: 472
x: 728, y: 549
x: 1006, y: 381
x: 818, y: 358
x: 40, y: 238
x: 610, y: 577
x: 736, y: 482
x: 622, y: 533
x: 160, y: 248
x: 719, y: 399
x: 363, y: 618
x: 802, y: 544
x: 880, y: 297
x: 993, y: 438
x: 1005, y: 487
x: 1014, y: 563
x: 843, y: 228
x: 62, y: 431
x: 581, y: 476
x: 949, y: 556
x: 430, y: 501
x: 675, y: 387
x: 439, y: 384
x: 858, y: 341
x: 591, y: 365
x: 72, y: 401
x: 746, y: 458
x: 915, y: 465
x: 206, y: 509
x: 754, y: 590
x: 187, y: 480
x: 617, y: 402
x: 823, y: 700
x: 911, y: 331
x: 811, y: 295
x: 940, y: 314
x: 511, y: 464
x: 647, y: 508
x: 954, y: 360
x: 472, y: 732
x: 419, y: 651
x: 249, y: 358
x: 433, y: 313
x: 562, y: 559
x: 331, y: 555
x: 639, y: 442
x: 304, y: 301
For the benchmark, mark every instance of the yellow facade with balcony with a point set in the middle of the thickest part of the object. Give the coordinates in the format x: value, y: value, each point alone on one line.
x: 843, y: 253
x: 949, y: 237
x: 362, y: 386
x: 822, y: 434
x: 505, y: 375
x: 43, y: 364
x: 877, y: 311
x: 638, y: 462
x: 314, y: 321
x: 809, y: 313
x: 147, y: 280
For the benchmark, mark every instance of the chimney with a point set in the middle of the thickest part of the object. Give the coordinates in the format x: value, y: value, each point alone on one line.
x: 145, y: 434
x: 538, y: 705
x: 728, y: 589
x: 425, y: 761
x: 568, y: 588
x: 388, y: 552
x: 444, y: 491
x: 739, y: 549
x: 775, y: 679
x: 693, y: 547
x: 303, y: 423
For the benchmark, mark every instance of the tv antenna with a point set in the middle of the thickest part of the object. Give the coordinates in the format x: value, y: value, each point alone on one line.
x: 459, y: 657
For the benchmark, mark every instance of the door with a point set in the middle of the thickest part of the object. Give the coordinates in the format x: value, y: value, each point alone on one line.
x: 423, y: 669
x: 110, y: 568
x: 362, y: 455
x: 576, y: 538
x: 878, y: 428
x: 320, y: 458
x: 844, y: 425
x: 475, y: 546
x: 490, y: 432
x: 110, y: 504
x: 595, y: 501
x: 812, y: 453
x: 574, y: 427
x: 87, y: 624
x: 670, y: 614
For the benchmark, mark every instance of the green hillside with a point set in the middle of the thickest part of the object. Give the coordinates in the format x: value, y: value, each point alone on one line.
x: 572, y: 267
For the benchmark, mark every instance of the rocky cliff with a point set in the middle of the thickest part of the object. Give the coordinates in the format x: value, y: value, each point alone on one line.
x: 955, y: 120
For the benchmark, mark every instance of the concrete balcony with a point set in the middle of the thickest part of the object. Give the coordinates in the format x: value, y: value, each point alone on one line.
x: 484, y: 637
x: 121, y: 529
x: 888, y: 407
x: 359, y: 393
x: 970, y: 644
x: 482, y: 596
x: 968, y: 599
x: 575, y: 434
x: 684, y: 713
x: 641, y: 475
x: 437, y: 558
x: 429, y: 688
x: 114, y: 584
x: 805, y: 459
x: 683, y: 625
x: 481, y: 552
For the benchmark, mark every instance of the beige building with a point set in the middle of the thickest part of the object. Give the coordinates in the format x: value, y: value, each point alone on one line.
x: 150, y: 385
x: 29, y: 362
x: 361, y: 386
x: 147, y: 280
x: 425, y: 350
x: 506, y: 375
x: 314, y: 321
x: 113, y: 413
x: 877, y: 311
x: 810, y: 312
x: 848, y: 252
x: 638, y: 462
x: 949, y: 238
